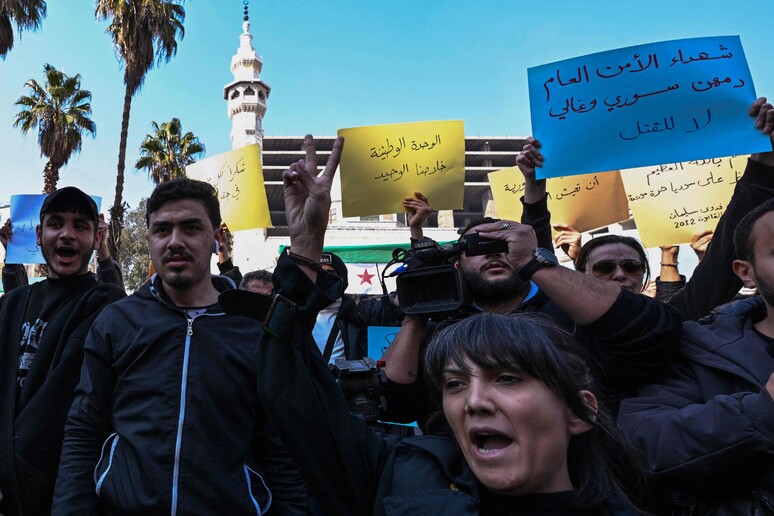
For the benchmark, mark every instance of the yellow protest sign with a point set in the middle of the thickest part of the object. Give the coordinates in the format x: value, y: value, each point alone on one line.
x: 383, y: 164
x: 671, y: 203
x: 238, y: 177
x: 584, y: 202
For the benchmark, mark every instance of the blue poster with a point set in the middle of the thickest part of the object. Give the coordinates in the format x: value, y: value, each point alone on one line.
x: 645, y: 105
x: 25, y: 217
x: 379, y: 339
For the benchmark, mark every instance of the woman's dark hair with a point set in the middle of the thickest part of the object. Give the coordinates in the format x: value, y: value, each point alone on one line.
x: 581, y: 261
x: 600, y: 463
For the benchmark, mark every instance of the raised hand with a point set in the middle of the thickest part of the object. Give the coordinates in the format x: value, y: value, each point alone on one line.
x: 418, y: 210
x: 308, y: 199
x: 568, y: 240
x: 530, y: 158
x: 700, y: 241
x: 5, y: 233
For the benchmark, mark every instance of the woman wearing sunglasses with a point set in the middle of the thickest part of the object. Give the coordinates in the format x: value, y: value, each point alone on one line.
x: 615, y: 258
x: 623, y: 260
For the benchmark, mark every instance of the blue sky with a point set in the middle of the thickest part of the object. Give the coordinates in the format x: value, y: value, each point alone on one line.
x: 340, y: 64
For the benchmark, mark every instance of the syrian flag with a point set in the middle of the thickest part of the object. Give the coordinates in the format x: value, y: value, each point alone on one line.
x: 364, y: 278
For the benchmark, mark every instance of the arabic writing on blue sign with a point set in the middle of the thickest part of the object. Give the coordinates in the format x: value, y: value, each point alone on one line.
x: 379, y: 339
x: 25, y: 217
x: 639, y: 106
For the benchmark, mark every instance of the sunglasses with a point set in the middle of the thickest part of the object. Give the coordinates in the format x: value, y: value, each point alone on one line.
x: 605, y: 267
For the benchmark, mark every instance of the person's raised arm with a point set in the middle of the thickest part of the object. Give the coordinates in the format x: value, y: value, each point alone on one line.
x: 713, y: 281
x: 763, y: 112
x: 14, y: 274
x: 528, y: 160
x: 307, y: 201
x: 418, y: 210
x: 568, y: 240
x: 634, y: 336
x: 700, y: 241
x: 583, y: 297
x: 338, y: 456
x: 535, y: 201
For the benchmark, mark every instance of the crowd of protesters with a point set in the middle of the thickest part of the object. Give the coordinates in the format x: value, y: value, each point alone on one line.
x: 552, y: 390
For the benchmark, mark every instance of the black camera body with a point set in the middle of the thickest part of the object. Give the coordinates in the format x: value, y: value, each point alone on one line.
x: 359, y: 380
x: 430, y: 284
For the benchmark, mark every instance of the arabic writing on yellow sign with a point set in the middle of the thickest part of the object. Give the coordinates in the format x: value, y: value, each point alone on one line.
x: 672, y: 202
x: 381, y: 165
x: 238, y: 177
x: 584, y: 202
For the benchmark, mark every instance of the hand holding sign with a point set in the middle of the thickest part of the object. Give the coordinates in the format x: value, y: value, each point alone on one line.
x: 384, y: 164
x: 528, y: 159
x: 644, y: 105
x: 5, y: 233
x: 763, y: 112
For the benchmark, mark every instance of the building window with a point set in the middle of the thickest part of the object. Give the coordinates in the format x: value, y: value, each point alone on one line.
x: 235, y: 94
x: 249, y: 91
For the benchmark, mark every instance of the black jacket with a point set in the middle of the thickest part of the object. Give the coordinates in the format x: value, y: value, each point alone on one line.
x: 706, y: 428
x: 31, y: 434
x: 713, y: 281
x: 350, y: 468
x: 626, y: 347
x: 166, y: 418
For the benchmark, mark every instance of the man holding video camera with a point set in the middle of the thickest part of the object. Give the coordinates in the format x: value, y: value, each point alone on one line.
x: 629, y: 337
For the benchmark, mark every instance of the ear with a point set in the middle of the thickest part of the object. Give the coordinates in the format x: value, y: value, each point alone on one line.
x: 38, y: 235
x: 576, y: 425
x: 100, y: 234
x: 746, y: 272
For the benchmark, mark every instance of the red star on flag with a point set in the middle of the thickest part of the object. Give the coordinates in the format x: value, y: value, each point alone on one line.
x: 366, y: 277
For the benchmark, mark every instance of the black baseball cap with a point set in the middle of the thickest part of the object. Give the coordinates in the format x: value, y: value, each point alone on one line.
x: 338, y: 264
x: 69, y: 199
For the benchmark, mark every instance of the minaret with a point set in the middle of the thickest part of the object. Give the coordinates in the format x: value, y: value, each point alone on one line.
x: 247, y: 94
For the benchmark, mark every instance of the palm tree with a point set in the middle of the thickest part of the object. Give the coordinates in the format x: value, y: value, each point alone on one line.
x: 25, y: 14
x: 60, y: 111
x: 144, y: 33
x: 166, y: 152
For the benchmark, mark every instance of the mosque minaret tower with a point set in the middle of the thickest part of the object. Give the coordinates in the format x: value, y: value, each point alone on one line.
x: 247, y: 94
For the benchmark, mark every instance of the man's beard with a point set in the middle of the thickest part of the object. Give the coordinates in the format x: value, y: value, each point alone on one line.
x: 489, y: 292
x: 765, y: 289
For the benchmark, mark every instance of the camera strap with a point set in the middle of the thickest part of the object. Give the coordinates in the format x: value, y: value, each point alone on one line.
x: 331, y: 339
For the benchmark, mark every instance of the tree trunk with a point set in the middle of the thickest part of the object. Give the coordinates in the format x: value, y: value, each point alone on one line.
x: 117, y: 210
x: 50, y: 177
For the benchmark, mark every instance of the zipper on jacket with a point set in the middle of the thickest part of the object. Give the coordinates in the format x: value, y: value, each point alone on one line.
x: 181, y: 416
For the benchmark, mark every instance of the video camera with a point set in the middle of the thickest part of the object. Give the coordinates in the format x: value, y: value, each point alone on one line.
x: 429, y: 283
x: 359, y: 381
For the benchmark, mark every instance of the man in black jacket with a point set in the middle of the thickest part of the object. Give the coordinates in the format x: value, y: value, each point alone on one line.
x: 338, y: 331
x: 706, y: 427
x: 166, y: 417
x: 629, y: 338
x: 42, y: 331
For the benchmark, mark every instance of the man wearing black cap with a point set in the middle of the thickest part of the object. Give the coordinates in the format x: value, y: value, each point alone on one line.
x: 42, y: 330
x: 338, y: 331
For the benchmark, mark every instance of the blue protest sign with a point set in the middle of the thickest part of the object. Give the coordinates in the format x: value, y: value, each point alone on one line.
x: 379, y: 339
x: 645, y: 105
x: 25, y: 217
